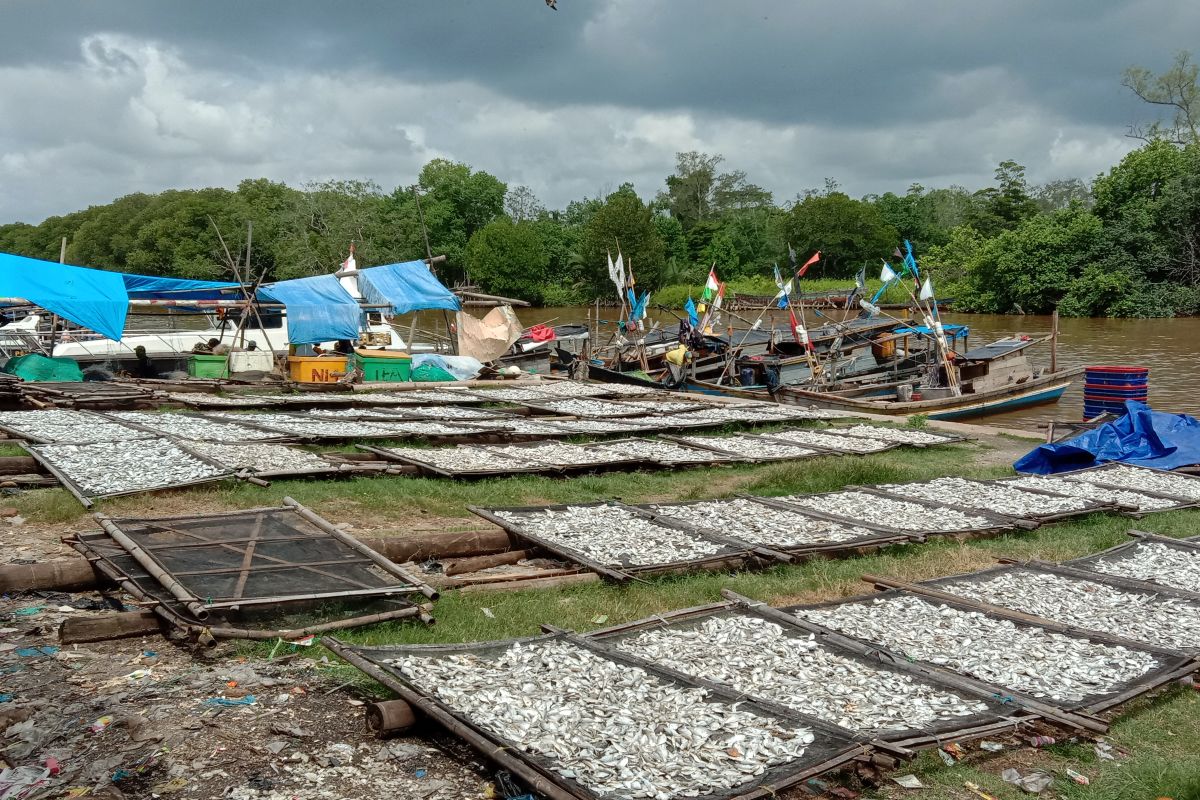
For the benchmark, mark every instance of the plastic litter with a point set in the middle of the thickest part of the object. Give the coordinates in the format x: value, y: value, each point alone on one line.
x: 99, y: 725
x: 248, y: 700
x: 909, y: 782
x: 1078, y: 777
x: 1033, y: 783
x: 991, y: 747
x: 36, y: 652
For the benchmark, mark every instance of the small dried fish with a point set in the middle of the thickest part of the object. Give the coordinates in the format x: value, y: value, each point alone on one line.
x: 1026, y: 659
x: 262, y: 457
x: 63, y: 425
x: 751, y: 447
x: 1156, y: 563
x: 612, y: 535
x: 1141, y: 479
x: 831, y: 440
x: 185, y: 426
x: 588, y: 407
x: 1090, y: 491
x: 663, y: 452
x: 558, y: 453
x: 615, y: 729
x: 464, y: 458
x: 761, y: 524
x: 897, y: 514
x: 118, y: 467
x: 895, y: 435
x: 758, y: 657
x: 1145, y: 617
x: 998, y: 498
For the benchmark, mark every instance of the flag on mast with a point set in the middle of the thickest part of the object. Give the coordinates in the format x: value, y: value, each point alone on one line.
x: 612, y: 268
x: 887, y: 275
x: 619, y: 270
x: 926, y: 289
x: 814, y: 259
x: 711, y: 285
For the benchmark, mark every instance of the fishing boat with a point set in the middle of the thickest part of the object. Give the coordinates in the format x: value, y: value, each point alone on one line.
x: 990, y: 379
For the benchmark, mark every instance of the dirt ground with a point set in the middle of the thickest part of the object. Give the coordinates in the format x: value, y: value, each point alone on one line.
x: 146, y: 717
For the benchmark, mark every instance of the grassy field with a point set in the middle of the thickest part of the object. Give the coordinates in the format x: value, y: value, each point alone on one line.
x: 1161, y: 734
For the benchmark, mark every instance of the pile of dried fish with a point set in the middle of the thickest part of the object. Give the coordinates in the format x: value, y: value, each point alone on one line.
x: 386, y: 414
x: 199, y: 399
x: 514, y: 395
x: 625, y: 389
x: 615, y: 729
x: 454, y: 413
x: 998, y: 498
x: 422, y: 396
x: 1141, y: 479
x: 558, y: 453
x: 663, y: 452
x: 464, y: 458
x: 262, y: 457
x: 565, y: 389
x: 897, y: 514
x: 895, y: 435
x: 598, y: 426
x: 186, y: 426
x: 668, y: 406
x: 1090, y: 491
x: 761, y: 524
x: 757, y: 657
x: 751, y: 447
x: 522, y: 426
x: 832, y: 441
x: 1097, y: 606
x: 611, y: 535
x: 1027, y: 659
x: 587, y: 407
x: 119, y: 467
x: 62, y: 425
x: 1155, y: 563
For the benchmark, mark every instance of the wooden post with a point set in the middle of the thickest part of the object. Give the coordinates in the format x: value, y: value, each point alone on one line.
x: 1054, y: 341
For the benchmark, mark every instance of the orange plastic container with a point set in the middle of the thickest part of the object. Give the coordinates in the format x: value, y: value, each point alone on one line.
x: 316, y: 369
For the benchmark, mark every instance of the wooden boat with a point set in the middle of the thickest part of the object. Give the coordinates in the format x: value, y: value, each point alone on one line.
x: 993, y: 378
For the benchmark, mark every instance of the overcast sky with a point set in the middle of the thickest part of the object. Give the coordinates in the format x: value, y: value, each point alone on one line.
x: 100, y: 98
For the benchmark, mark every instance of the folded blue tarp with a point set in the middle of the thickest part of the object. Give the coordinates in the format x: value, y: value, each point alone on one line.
x: 318, y: 309
x: 167, y: 288
x: 1141, y: 436
x: 406, y: 287
x: 92, y: 298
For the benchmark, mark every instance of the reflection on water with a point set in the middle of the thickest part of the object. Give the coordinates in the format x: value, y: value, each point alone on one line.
x: 1166, y: 346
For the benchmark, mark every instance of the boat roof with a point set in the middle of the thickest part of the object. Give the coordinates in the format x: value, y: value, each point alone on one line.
x: 998, y: 349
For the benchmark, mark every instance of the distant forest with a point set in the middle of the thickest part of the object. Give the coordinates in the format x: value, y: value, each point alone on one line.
x: 1124, y: 244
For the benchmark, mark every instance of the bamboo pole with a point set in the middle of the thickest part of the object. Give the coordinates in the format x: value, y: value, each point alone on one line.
x: 1054, y: 340
x: 151, y: 565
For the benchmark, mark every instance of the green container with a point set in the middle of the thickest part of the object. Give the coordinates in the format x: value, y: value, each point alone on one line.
x: 388, y: 370
x: 208, y: 366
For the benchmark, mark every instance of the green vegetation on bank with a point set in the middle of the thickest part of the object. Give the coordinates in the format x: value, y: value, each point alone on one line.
x: 1124, y: 244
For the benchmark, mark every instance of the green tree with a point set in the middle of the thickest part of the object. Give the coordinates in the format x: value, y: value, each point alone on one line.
x: 509, y: 259
x: 627, y: 222
x: 1004, y: 206
x: 697, y: 192
x: 1176, y: 90
x: 848, y: 232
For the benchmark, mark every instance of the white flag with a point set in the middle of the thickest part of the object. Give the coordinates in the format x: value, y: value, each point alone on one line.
x: 612, y: 269
x: 784, y: 291
x: 620, y: 271
x: 887, y: 274
x: 926, y: 290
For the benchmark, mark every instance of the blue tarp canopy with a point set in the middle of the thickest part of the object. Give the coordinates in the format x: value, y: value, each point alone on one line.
x: 1141, y: 436
x: 406, y: 287
x: 92, y: 298
x: 152, y: 286
x: 953, y: 331
x: 318, y: 309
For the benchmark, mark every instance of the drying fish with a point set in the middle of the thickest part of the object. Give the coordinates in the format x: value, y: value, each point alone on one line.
x: 612, y: 535
x: 1027, y: 659
x: 1099, y: 494
x: 455, y: 413
x: 1155, y: 563
x: 895, y: 435
x: 998, y: 498
x: 565, y: 389
x: 522, y: 426
x: 587, y: 407
x: 897, y: 514
x: 464, y: 458
x: 595, y: 426
x: 119, y: 467
x: 832, y: 441
x: 751, y: 447
x: 388, y: 414
x: 664, y: 452
x: 62, y: 425
x: 1140, y: 479
x: 614, y: 729
x: 185, y: 426
x: 513, y: 395
x: 761, y: 524
x: 557, y: 453
x: 1141, y: 616
x: 758, y: 657
x: 262, y: 457
x: 422, y: 396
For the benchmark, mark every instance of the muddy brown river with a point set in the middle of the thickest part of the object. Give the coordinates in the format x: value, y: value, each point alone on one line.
x: 1167, y: 346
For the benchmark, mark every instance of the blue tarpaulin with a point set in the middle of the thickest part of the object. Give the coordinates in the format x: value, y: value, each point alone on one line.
x: 318, y: 309
x: 92, y: 298
x: 406, y: 287
x: 160, y: 287
x: 1141, y: 436
x: 953, y: 331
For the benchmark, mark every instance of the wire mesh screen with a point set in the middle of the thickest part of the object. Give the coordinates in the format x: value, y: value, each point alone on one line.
x: 269, y: 554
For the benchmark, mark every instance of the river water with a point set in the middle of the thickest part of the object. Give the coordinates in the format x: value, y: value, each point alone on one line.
x: 1167, y: 346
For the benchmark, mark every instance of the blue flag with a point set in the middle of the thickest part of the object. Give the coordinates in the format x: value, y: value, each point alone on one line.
x: 693, y: 317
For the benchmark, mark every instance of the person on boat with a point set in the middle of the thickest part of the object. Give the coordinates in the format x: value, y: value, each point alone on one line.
x: 144, y: 368
x: 677, y: 358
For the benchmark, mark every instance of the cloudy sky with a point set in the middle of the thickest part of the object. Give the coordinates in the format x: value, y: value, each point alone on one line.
x: 100, y: 98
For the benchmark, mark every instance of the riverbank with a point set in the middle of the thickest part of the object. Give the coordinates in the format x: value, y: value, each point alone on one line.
x: 246, y: 757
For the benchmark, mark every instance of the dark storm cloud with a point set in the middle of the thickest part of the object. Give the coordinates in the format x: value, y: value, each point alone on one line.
x: 143, y: 94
